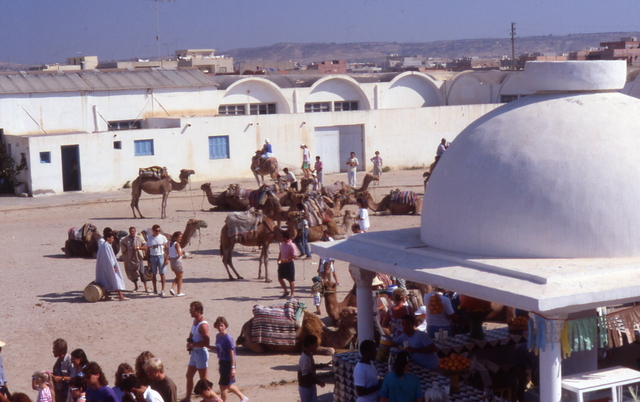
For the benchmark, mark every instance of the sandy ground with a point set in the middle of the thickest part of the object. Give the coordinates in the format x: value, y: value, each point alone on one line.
x: 41, y: 289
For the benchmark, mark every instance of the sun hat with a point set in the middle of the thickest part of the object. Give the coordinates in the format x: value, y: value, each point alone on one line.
x: 421, y: 310
x: 267, y: 140
x: 302, y: 145
x: 376, y: 282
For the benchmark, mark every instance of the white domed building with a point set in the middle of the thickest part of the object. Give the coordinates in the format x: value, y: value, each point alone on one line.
x: 535, y: 205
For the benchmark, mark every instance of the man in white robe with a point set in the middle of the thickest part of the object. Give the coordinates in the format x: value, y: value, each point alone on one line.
x: 108, y: 272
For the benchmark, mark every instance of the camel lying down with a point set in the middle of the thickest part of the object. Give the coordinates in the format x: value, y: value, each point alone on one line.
x: 329, y: 338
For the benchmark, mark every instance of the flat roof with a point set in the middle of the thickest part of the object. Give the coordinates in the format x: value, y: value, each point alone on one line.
x: 551, y: 286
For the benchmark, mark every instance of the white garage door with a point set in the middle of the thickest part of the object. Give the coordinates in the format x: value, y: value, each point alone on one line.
x: 334, y: 144
x: 327, y: 143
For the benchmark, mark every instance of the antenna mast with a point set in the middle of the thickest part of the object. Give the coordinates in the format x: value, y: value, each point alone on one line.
x: 513, y: 46
x: 158, y: 29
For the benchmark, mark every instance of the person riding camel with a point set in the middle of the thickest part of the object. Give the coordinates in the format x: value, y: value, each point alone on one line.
x: 265, y: 153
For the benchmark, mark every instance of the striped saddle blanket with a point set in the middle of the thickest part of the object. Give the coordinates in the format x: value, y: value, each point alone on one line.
x: 157, y: 172
x: 277, y: 324
x: 403, y: 197
x: 241, y: 224
x: 315, y: 206
x: 256, y: 198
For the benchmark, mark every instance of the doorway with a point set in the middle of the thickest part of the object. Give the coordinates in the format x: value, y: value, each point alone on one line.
x: 71, y: 179
x: 334, y: 144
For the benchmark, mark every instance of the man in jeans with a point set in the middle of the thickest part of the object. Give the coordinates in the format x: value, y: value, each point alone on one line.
x: 158, y: 247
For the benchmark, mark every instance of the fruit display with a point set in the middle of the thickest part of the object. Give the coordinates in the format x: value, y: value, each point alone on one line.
x: 435, y: 304
x: 454, y: 363
x: 518, y: 324
x: 522, y: 320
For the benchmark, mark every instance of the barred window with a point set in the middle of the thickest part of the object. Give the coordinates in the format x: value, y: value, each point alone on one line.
x: 143, y: 147
x: 317, y: 107
x: 231, y: 110
x: 345, y: 106
x: 262, y: 108
x: 116, y: 125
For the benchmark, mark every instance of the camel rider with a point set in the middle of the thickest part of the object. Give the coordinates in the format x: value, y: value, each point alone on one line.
x: 265, y: 153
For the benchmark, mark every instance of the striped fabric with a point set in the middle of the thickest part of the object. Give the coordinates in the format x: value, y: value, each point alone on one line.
x: 276, y: 324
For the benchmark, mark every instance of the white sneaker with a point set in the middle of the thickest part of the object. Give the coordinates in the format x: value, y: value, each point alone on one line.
x: 173, y: 293
x: 162, y: 293
x: 245, y: 399
x: 180, y: 295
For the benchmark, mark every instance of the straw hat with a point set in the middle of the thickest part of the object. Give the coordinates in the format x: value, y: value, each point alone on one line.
x: 376, y: 282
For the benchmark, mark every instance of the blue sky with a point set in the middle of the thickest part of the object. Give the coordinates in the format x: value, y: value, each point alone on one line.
x: 48, y: 31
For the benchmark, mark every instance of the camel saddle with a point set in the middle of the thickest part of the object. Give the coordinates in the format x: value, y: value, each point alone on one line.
x: 266, y: 161
x: 277, y: 324
x: 333, y: 189
x: 403, y: 197
x: 256, y: 198
x: 242, y: 224
x: 154, y: 172
x: 83, y: 233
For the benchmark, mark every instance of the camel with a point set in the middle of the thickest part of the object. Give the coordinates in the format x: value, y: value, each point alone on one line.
x: 152, y: 185
x: 347, y: 189
x: 334, y: 206
x: 394, y: 208
x: 315, y: 232
x: 331, y: 303
x: 268, y: 168
x: 266, y: 234
x: 228, y: 200
x: 329, y: 338
x: 190, y: 229
x: 88, y: 246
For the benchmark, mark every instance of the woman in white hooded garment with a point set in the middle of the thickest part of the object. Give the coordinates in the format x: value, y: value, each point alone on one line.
x: 108, y: 272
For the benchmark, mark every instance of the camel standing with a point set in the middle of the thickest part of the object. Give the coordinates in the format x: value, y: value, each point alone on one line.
x: 152, y: 185
x: 269, y: 168
x: 190, y: 229
x: 266, y: 234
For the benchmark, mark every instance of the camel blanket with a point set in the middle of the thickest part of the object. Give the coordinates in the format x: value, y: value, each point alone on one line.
x: 403, y: 197
x: 276, y: 324
x: 241, y: 224
x: 256, y: 198
x: 332, y: 189
x: 315, y: 205
x: 155, y: 172
x: 81, y: 233
x: 265, y: 162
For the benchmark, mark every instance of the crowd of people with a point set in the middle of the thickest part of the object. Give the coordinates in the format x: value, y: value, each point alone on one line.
x: 159, y: 252
x: 74, y: 378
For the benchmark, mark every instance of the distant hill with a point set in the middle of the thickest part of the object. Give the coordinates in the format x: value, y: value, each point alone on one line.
x: 378, y: 51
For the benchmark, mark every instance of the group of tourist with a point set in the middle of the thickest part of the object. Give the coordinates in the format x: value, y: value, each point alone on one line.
x: 74, y: 378
x: 135, y: 250
x: 317, y: 172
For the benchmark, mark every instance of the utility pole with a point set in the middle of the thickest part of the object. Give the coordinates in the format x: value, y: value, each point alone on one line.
x: 513, y: 46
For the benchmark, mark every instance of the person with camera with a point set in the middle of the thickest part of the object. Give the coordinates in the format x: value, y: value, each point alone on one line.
x: 197, y: 345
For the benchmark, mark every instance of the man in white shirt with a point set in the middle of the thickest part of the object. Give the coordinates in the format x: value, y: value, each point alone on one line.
x: 132, y: 384
x: 158, y: 247
x: 353, y: 163
x: 365, y: 374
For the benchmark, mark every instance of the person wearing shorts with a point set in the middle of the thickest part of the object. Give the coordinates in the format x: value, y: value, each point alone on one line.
x: 175, y: 258
x: 158, y: 247
x: 306, y: 161
x: 197, y: 345
x: 286, y: 268
x: 226, y: 349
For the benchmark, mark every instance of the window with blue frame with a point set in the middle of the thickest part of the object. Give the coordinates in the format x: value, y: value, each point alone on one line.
x: 143, y: 147
x: 219, y: 147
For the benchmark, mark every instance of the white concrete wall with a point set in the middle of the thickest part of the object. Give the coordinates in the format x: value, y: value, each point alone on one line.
x: 404, y: 137
x: 410, y: 90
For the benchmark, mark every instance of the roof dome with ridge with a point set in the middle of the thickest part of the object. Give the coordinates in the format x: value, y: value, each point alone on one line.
x: 555, y: 174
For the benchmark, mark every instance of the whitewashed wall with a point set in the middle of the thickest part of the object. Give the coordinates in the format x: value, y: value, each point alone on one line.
x: 405, y: 138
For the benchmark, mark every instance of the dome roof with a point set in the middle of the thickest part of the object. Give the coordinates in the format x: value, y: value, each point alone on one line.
x: 550, y: 175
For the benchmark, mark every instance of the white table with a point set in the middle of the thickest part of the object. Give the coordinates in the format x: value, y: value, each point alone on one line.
x: 612, y: 378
